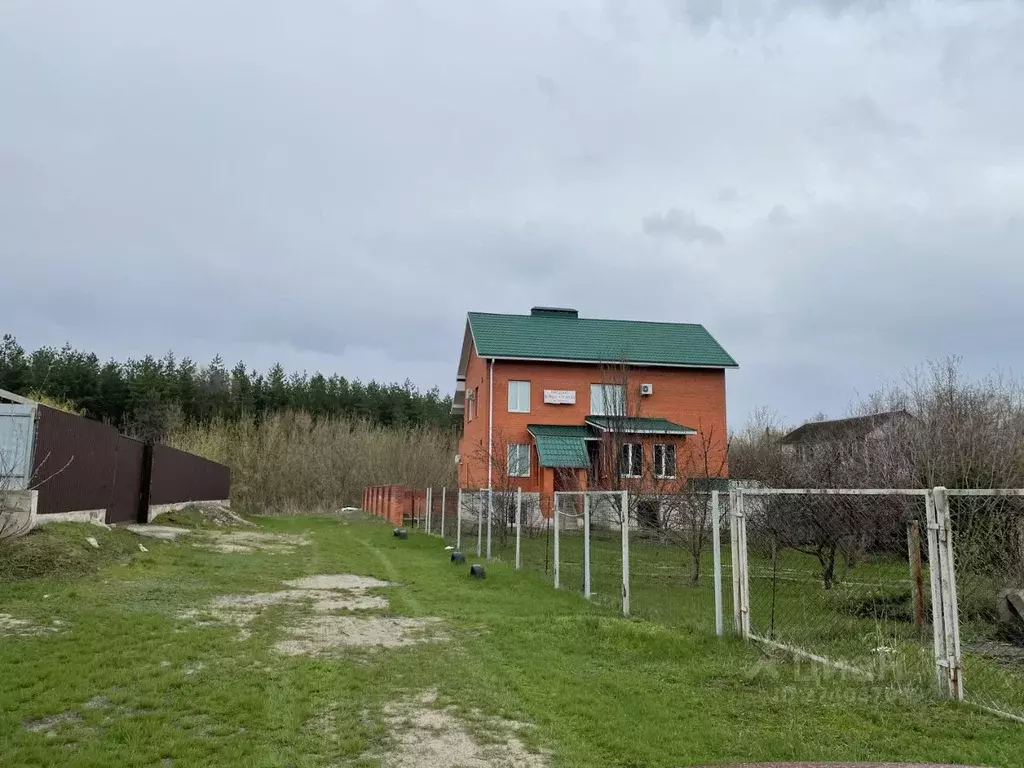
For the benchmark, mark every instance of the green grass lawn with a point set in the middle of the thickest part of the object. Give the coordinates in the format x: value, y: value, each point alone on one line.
x: 598, y: 689
x: 865, y: 620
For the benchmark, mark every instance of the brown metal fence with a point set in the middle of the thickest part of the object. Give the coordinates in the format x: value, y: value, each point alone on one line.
x: 84, y: 465
x: 179, y: 476
x: 74, y: 462
x: 127, y: 494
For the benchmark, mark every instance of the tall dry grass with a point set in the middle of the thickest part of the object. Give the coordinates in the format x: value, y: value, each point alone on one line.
x: 290, y: 462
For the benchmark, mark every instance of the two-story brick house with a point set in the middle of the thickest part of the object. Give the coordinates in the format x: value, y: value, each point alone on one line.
x: 552, y: 401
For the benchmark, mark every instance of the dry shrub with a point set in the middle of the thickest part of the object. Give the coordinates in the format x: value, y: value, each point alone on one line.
x: 292, y: 462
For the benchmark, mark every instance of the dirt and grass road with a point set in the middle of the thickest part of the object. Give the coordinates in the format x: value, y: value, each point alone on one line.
x: 327, y: 642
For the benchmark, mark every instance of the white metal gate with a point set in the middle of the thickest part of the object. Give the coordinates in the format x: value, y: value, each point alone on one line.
x: 17, y: 441
x: 966, y: 562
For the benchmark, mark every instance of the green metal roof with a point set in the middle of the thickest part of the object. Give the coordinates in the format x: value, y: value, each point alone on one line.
x: 559, y: 430
x: 562, y: 451
x: 637, y: 425
x: 561, y: 336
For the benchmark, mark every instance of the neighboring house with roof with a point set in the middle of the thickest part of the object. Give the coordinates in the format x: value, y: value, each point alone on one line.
x: 846, y: 439
x: 546, y: 397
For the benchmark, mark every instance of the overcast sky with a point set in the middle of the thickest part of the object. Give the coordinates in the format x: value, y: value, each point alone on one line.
x: 834, y: 188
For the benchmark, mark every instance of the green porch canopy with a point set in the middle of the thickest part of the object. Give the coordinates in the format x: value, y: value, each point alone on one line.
x: 561, y: 447
x: 635, y: 425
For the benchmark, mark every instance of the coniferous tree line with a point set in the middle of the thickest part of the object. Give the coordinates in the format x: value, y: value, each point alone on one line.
x: 152, y: 396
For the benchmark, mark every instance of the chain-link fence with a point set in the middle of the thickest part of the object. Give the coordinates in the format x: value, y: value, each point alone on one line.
x: 906, y: 587
x: 986, y: 530
x: 588, y: 544
x: 680, y: 558
x: 840, y: 577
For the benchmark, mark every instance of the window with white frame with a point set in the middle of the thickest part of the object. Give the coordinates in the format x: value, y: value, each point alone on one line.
x: 519, y: 397
x: 665, y: 460
x: 519, y: 460
x: 607, y: 400
x: 631, y: 460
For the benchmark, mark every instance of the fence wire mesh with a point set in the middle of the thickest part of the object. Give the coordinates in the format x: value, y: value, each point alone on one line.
x: 672, y: 556
x: 589, y: 551
x: 842, y: 576
x: 862, y: 580
x: 987, y: 531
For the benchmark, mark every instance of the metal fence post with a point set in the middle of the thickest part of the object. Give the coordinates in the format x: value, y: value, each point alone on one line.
x: 490, y: 515
x: 443, y: 494
x: 586, y: 545
x: 430, y: 504
x: 479, y: 529
x: 716, y: 536
x: 555, y: 513
x: 744, y: 567
x: 950, y: 610
x: 734, y: 540
x: 625, y: 552
x: 458, y: 522
x: 935, y: 571
x: 519, y: 523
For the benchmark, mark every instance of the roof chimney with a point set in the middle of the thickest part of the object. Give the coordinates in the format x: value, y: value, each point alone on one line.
x: 554, y: 312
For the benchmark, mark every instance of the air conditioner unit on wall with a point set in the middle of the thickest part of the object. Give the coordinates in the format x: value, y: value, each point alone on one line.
x: 646, y: 389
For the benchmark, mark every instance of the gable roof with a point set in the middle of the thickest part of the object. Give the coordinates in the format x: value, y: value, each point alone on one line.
x: 842, y: 429
x: 559, y: 335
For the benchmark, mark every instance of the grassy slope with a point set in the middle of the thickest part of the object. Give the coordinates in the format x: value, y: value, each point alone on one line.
x: 602, y: 691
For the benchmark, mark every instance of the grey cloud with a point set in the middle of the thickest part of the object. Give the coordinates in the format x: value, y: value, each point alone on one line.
x: 779, y: 216
x: 340, y: 203
x: 681, y: 225
x: 864, y: 114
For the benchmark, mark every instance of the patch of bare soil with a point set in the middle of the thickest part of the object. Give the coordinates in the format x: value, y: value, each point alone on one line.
x: 52, y: 723
x: 248, y: 542
x: 159, y: 532
x: 424, y: 735
x: 337, y: 581
x: 12, y: 627
x: 327, y: 594
x: 322, y: 633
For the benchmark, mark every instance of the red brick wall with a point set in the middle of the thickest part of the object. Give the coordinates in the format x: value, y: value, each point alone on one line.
x: 690, y: 396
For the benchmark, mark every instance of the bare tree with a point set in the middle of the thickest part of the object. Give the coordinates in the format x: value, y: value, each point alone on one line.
x: 511, y: 464
x: 686, y: 509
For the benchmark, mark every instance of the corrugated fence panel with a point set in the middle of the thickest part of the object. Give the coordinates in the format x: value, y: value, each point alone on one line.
x: 180, y: 476
x: 74, y: 462
x: 128, y: 481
